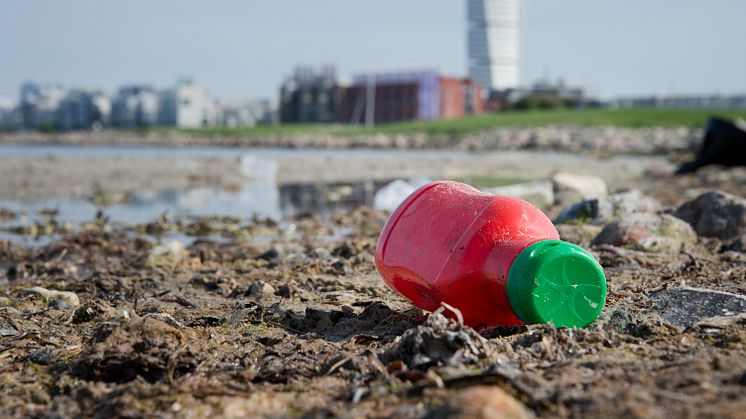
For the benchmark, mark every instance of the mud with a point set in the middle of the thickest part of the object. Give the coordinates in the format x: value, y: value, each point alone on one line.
x: 298, y: 324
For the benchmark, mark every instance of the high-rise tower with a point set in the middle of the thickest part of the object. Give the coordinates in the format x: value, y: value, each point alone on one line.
x: 493, y: 37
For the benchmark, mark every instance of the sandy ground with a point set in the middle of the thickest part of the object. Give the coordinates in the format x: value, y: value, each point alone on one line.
x: 26, y: 178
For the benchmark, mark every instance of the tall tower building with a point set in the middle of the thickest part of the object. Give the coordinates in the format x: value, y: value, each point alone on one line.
x: 493, y: 37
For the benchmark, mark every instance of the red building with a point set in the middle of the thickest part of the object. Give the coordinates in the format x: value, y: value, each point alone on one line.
x: 409, y: 96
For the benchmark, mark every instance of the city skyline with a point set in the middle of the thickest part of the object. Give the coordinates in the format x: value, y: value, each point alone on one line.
x: 245, y: 50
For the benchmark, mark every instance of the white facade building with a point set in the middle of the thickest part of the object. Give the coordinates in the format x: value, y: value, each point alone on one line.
x: 493, y: 42
x: 188, y: 106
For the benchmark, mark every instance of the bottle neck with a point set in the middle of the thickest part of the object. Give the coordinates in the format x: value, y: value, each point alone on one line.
x: 556, y: 281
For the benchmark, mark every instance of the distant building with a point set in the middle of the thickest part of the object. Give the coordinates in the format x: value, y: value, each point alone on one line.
x: 493, y: 41
x: 8, y: 114
x: 188, y: 105
x: 683, y: 102
x: 241, y: 113
x: 38, y: 105
x: 310, y: 96
x: 134, y: 106
x: 423, y: 95
x: 83, y: 108
x: 557, y: 94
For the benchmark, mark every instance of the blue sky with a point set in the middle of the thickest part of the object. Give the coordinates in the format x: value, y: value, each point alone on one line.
x: 243, y: 49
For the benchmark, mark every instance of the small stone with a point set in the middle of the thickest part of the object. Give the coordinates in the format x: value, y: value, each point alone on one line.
x: 715, y: 214
x: 482, y: 402
x: 273, y: 254
x: 50, y: 295
x: 320, y: 253
x: 540, y: 192
x: 685, y: 307
x: 570, y: 187
x: 166, y: 255
x: 602, y: 210
x: 58, y: 305
x: 261, y: 287
x: 43, y: 356
x: 648, y: 232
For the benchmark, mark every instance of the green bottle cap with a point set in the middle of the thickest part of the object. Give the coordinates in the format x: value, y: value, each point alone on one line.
x: 557, y: 281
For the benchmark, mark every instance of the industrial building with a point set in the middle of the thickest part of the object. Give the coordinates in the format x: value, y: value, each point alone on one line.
x: 493, y: 43
x: 38, y: 105
x: 135, y: 106
x: 83, y: 108
x: 310, y: 96
x: 393, y: 97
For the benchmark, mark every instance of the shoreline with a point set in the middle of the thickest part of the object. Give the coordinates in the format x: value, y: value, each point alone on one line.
x: 574, y: 139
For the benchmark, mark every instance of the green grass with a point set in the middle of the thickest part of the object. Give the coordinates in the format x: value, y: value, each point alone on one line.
x: 520, y: 119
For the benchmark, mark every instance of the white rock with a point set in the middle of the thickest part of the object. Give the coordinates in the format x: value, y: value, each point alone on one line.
x: 539, y: 192
x: 569, y: 187
x: 167, y: 254
x: 49, y: 295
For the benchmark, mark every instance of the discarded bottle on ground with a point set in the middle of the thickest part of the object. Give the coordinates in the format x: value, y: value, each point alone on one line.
x: 498, y: 259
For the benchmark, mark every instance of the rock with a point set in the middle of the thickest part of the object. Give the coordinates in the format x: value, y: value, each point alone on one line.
x: 439, y: 341
x: 58, y: 305
x: 50, y: 295
x: 43, y: 356
x: 320, y: 253
x: 482, y: 402
x: 261, y: 287
x: 166, y: 255
x: 738, y: 244
x: 570, y: 187
x: 539, y: 192
x: 685, y: 307
x: 715, y: 214
x: 602, y: 210
x: 649, y: 232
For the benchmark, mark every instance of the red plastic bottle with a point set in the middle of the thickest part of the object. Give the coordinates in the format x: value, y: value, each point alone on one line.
x: 498, y: 259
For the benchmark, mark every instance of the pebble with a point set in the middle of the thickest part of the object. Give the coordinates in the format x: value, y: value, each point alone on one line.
x: 602, y: 210
x: 482, y: 401
x: 50, y: 295
x: 570, y: 187
x: 648, y: 232
x: 715, y: 214
x: 685, y: 307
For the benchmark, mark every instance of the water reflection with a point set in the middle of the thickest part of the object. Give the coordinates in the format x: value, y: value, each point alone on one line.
x: 261, y: 198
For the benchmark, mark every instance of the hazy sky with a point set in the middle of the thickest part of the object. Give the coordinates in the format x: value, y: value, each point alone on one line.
x: 244, y: 48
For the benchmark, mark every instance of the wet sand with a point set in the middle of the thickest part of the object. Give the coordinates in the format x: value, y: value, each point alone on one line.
x: 31, y: 177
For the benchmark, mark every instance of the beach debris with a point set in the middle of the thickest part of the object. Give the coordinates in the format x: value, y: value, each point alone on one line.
x: 715, y: 214
x: 724, y: 143
x: 570, y: 187
x: 686, y: 307
x: 50, y: 295
x: 440, y: 341
x: 390, y: 196
x: 149, y: 348
x: 648, y: 232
